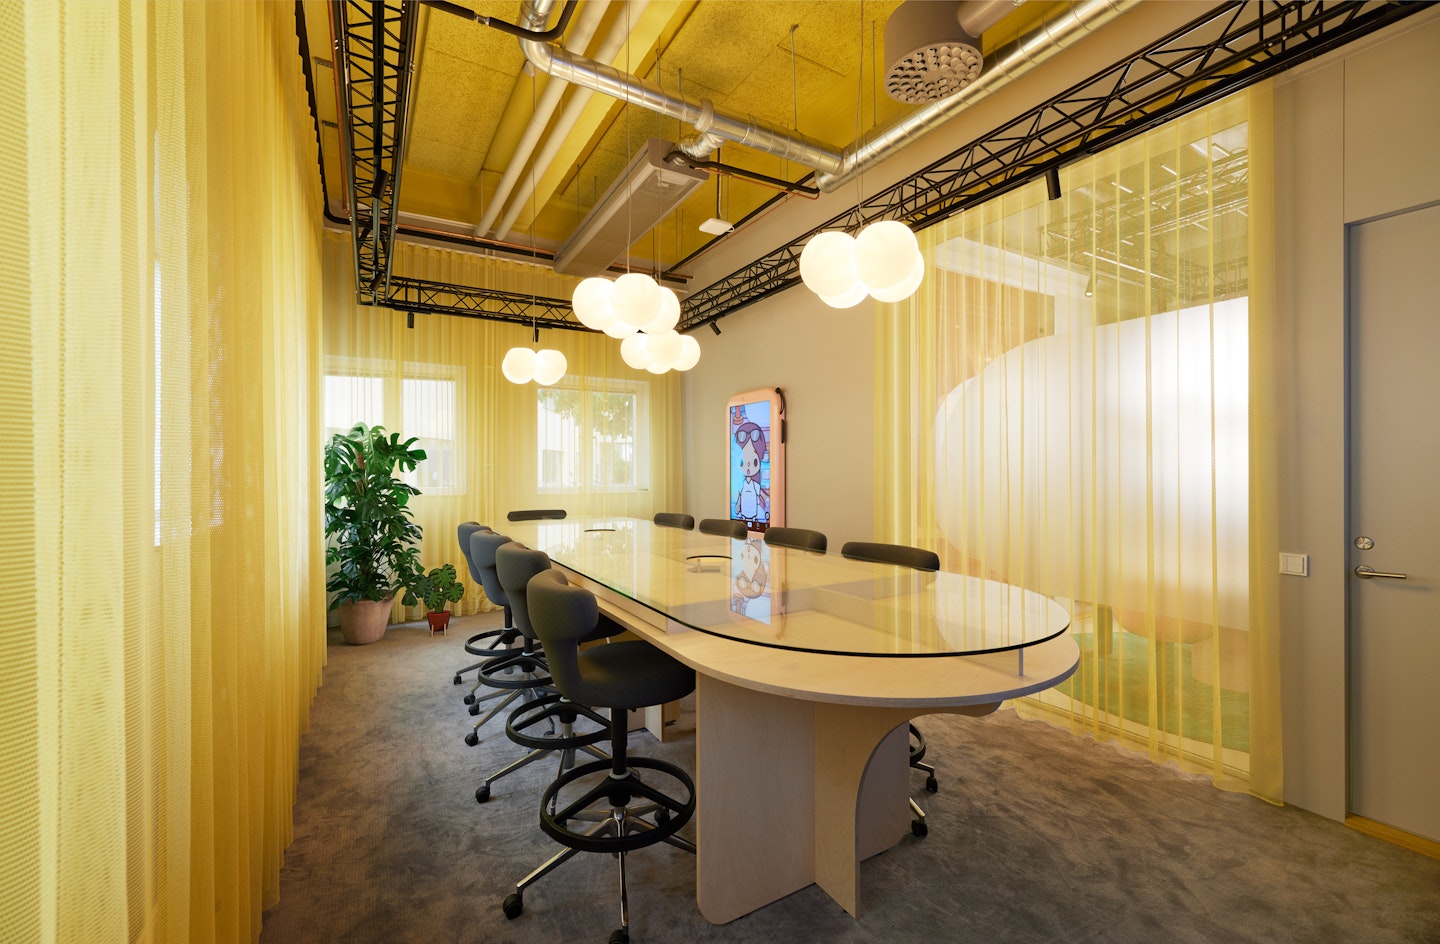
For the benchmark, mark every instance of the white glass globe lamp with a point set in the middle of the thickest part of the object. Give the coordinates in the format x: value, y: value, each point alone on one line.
x: 850, y: 299
x: 518, y: 365
x: 906, y: 288
x: 634, y: 353
x: 669, y: 315
x: 827, y: 263
x: 619, y: 329
x: 883, y: 254
x: 689, y: 353
x: 550, y: 366
x: 591, y: 301
x: 664, y: 348
x: 636, y: 299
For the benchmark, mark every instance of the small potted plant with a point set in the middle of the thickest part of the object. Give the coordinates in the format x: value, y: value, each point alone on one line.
x: 437, y: 587
x: 373, y: 538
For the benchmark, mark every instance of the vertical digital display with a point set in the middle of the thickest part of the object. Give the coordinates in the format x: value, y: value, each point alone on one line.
x: 750, y: 462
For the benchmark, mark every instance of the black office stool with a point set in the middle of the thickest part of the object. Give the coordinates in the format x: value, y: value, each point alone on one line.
x: 500, y: 672
x: 725, y: 527
x: 800, y: 538
x: 515, y: 564
x: 492, y: 642
x: 672, y: 519
x: 536, y: 514
x: 917, y: 559
x: 620, y: 676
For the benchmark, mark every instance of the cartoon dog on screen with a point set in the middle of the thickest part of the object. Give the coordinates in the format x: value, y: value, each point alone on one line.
x: 752, y: 500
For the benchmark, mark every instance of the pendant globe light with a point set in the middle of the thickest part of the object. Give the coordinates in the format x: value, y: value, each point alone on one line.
x: 544, y: 366
x: 883, y: 260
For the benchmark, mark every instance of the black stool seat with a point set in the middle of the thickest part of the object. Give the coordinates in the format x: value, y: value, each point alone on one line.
x: 632, y: 675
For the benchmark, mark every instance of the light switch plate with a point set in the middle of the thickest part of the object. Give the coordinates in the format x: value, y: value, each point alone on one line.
x: 1297, y: 565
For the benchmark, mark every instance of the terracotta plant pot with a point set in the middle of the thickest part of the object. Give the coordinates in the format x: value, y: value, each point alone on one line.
x: 363, y: 621
x: 439, y: 620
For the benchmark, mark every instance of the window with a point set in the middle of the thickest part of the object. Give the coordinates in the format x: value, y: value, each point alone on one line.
x: 424, y: 402
x: 590, y: 438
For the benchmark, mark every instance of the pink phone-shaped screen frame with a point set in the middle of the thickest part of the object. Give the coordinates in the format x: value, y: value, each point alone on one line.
x: 773, y: 403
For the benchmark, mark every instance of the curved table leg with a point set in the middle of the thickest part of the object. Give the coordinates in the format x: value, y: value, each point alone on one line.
x: 794, y: 792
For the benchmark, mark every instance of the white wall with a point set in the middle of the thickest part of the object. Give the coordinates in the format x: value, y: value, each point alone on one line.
x: 1357, y: 136
x: 822, y: 360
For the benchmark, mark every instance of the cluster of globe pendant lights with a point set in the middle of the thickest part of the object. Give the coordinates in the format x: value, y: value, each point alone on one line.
x: 522, y: 365
x: 643, y: 314
x: 883, y: 261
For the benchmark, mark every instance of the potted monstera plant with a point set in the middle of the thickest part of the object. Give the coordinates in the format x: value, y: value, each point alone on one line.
x: 435, y: 588
x: 372, y: 538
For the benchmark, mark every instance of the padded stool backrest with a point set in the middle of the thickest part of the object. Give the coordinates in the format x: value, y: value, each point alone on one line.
x: 535, y: 514
x: 913, y: 557
x: 724, y: 527
x: 669, y: 519
x: 516, y: 564
x: 562, y: 614
x: 465, y: 530
x: 483, y: 545
x: 800, y: 538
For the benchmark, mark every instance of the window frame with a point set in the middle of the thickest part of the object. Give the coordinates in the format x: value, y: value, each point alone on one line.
x: 639, y: 391
x: 392, y: 409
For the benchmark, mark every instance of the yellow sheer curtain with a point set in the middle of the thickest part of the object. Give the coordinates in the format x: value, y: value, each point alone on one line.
x: 161, y: 534
x: 440, y: 381
x: 1077, y: 401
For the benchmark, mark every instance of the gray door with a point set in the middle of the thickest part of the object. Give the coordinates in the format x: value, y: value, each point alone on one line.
x: 1394, y: 629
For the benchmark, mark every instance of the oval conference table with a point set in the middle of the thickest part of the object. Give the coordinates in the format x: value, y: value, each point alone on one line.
x: 808, y: 669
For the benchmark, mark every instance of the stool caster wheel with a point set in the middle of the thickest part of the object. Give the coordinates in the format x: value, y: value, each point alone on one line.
x: 513, y: 905
x: 472, y: 739
x: 919, y: 829
x: 482, y: 793
x: 619, y: 936
x: 662, y: 816
x: 932, y: 784
x: 469, y: 699
x: 474, y: 709
x: 455, y: 681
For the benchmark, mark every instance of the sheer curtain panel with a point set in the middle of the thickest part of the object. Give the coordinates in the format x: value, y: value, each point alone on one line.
x: 604, y: 440
x: 160, y: 337
x: 1078, y: 401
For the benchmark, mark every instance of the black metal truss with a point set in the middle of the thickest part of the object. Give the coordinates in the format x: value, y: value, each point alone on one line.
x: 419, y: 295
x: 1229, y: 48
x: 374, y: 55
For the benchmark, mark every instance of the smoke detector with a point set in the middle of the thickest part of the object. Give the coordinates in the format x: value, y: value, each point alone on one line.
x: 928, y: 54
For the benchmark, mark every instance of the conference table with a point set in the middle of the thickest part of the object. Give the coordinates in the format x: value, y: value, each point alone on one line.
x: 809, y: 668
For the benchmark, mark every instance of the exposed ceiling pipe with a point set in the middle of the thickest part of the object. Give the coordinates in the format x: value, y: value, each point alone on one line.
x: 1005, y: 65
x: 578, y: 70
x: 609, y: 49
x: 585, y: 28
x: 833, y: 169
x: 977, y: 16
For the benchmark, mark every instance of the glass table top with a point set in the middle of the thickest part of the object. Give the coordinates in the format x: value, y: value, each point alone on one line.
x: 790, y: 599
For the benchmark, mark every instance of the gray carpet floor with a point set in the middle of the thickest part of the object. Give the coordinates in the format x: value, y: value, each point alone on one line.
x: 1035, y: 836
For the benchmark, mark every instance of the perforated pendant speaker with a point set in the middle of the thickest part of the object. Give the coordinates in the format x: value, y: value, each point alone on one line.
x: 928, y: 55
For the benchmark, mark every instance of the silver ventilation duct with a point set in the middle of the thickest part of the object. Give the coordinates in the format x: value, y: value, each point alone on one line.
x: 649, y: 188
x: 833, y: 169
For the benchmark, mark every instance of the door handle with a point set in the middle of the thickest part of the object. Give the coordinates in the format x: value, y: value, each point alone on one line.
x: 1367, y: 573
